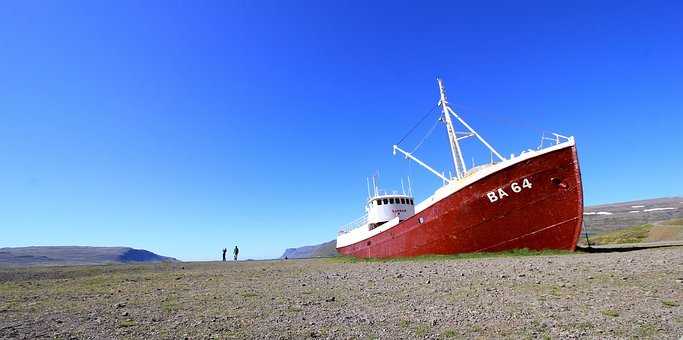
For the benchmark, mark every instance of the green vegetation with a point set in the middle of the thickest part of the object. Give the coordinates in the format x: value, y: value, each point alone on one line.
x: 670, y: 303
x: 463, y: 256
x: 634, y: 234
x: 647, y: 330
x: 127, y: 323
x: 610, y: 312
x: 449, y: 333
x: 421, y: 330
x: 670, y: 230
x: 675, y: 221
x: 170, y: 305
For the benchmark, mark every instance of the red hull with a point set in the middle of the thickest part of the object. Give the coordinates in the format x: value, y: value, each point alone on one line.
x: 546, y: 216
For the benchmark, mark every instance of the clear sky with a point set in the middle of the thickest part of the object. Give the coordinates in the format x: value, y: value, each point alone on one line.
x: 185, y: 127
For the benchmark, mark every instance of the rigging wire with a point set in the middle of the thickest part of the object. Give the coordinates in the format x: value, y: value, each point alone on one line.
x: 418, y: 123
x: 426, y: 135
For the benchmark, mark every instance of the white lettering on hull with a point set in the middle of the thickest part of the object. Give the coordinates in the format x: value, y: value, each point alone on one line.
x: 500, y: 193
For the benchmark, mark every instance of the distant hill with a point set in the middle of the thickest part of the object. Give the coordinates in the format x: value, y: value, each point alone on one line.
x: 326, y: 249
x: 75, y: 255
x: 597, y: 219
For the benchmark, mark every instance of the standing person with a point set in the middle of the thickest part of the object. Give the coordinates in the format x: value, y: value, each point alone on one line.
x: 225, y: 250
x: 235, y: 252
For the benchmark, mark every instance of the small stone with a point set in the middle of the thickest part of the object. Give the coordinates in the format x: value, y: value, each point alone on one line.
x: 119, y: 305
x: 124, y: 313
x: 331, y: 299
x: 399, y: 276
x: 590, y: 278
x: 428, y: 281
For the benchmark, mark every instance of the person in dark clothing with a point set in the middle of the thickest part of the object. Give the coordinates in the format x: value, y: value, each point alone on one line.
x: 236, y: 252
x: 225, y: 250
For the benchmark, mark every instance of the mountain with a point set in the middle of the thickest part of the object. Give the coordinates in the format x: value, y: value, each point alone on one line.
x: 75, y: 255
x: 597, y: 219
x: 326, y: 249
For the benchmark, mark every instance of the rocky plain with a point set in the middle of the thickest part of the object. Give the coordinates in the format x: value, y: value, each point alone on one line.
x: 574, y: 295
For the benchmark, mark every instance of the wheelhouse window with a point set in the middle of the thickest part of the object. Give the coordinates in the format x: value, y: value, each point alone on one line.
x: 386, y: 201
x: 379, y: 202
x: 391, y: 200
x: 403, y: 200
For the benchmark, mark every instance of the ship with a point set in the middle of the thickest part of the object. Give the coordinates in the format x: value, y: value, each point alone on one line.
x: 532, y: 200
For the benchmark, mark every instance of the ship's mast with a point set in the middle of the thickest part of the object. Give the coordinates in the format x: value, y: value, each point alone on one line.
x: 458, y: 161
x: 456, y: 153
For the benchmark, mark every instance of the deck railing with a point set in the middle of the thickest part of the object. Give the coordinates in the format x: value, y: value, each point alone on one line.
x: 354, y: 224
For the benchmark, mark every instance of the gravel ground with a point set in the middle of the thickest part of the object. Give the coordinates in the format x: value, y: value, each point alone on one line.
x: 615, y: 295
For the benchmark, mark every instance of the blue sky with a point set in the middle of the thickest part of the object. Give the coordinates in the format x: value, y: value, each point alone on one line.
x: 186, y: 127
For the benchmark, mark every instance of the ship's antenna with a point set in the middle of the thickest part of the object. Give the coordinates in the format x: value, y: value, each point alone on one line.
x: 458, y: 161
x: 367, y: 180
x: 402, y: 188
x: 374, y: 184
x: 410, y: 187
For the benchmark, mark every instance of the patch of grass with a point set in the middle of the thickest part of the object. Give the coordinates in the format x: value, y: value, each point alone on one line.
x: 6, y: 287
x: 249, y: 294
x: 675, y: 221
x: 647, y: 331
x: 421, y: 330
x: 404, y: 323
x: 463, y: 256
x: 670, y: 303
x: 127, y: 323
x: 635, y: 234
x: 96, y: 284
x: 170, y: 305
x: 293, y: 309
x: 610, y: 312
x: 449, y: 333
